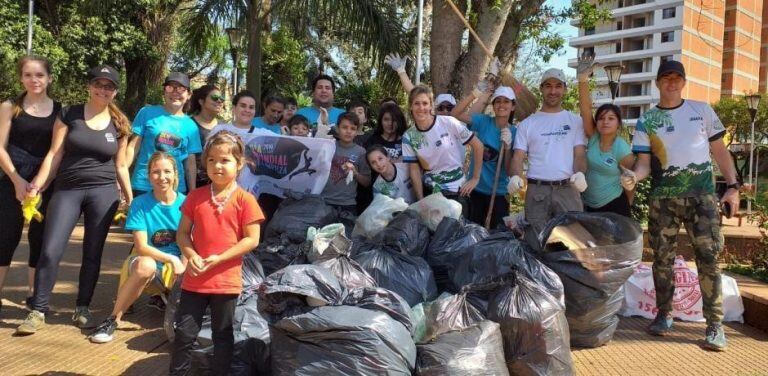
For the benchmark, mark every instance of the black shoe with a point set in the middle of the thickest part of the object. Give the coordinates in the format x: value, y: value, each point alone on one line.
x: 157, y: 303
x: 104, y: 332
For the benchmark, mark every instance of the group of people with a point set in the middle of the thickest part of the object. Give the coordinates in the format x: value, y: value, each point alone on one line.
x: 193, y: 212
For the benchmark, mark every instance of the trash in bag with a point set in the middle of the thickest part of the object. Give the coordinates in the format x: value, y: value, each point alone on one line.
x: 433, y: 208
x: 408, y: 276
x: 594, y: 254
x: 296, y: 289
x: 407, y: 233
x: 169, y: 316
x: 500, y: 254
x: 296, y: 214
x: 382, y: 300
x: 472, y: 351
x: 451, y: 237
x: 277, y: 253
x: 378, y: 215
x: 341, y: 340
x: 449, y: 313
x: 327, y: 242
x: 533, y: 325
x: 330, y: 249
x: 251, y: 331
x: 253, y: 273
x: 361, y: 245
x: 200, y: 360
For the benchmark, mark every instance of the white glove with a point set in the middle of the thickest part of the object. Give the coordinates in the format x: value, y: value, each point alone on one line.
x: 350, y: 177
x: 322, y: 131
x: 515, y: 184
x: 481, y: 87
x: 495, y: 67
x: 628, y: 179
x: 579, y: 181
x: 396, y: 62
x: 506, y: 137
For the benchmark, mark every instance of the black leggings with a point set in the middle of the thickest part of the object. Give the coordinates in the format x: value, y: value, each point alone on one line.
x: 189, y: 320
x: 98, y: 206
x: 479, y: 203
x: 12, y: 225
x: 619, y: 205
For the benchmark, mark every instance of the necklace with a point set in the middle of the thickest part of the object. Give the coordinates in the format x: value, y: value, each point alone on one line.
x: 219, y: 204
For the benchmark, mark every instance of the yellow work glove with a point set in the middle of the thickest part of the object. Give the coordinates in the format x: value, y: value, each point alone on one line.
x: 29, y: 209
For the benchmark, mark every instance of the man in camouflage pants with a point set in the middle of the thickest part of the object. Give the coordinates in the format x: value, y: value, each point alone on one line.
x: 673, y: 142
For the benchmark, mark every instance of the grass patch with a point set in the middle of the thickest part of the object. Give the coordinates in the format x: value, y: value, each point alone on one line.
x: 760, y: 274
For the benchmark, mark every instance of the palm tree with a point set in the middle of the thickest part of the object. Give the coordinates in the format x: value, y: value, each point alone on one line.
x: 374, y: 26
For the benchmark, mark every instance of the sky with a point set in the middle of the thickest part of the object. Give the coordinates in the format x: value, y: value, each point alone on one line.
x: 567, y: 31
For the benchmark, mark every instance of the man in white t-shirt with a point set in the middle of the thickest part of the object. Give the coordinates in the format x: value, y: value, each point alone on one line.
x: 553, y: 141
x: 675, y: 142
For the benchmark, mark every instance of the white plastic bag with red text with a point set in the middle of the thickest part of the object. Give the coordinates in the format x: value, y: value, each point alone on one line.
x: 640, y: 295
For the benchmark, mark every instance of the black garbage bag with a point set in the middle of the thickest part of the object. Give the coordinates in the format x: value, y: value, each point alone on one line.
x: 382, y: 300
x: 330, y: 249
x: 451, y: 237
x: 341, y: 340
x: 296, y: 214
x: 277, y: 253
x: 200, y: 360
x: 253, y: 273
x: 171, y: 306
x: 534, y: 327
x: 449, y: 313
x: 472, y: 351
x: 498, y: 255
x: 297, y: 289
x: 362, y: 244
x: 408, y: 276
x: 251, y: 330
x: 406, y: 233
x: 594, y: 277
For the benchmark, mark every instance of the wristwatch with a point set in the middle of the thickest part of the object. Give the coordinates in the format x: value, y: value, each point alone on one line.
x: 735, y: 186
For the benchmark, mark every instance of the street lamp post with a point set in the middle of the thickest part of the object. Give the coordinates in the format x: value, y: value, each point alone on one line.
x: 30, y: 21
x: 752, y: 102
x: 235, y: 35
x: 614, y: 77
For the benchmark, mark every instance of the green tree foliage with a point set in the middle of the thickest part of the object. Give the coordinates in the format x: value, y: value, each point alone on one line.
x: 285, y: 64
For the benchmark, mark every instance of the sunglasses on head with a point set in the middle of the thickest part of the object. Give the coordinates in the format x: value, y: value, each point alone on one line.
x: 217, y: 98
x: 445, y: 107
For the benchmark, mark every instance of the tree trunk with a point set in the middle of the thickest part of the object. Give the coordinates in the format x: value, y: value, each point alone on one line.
x: 136, y: 86
x: 445, y: 44
x: 257, y: 12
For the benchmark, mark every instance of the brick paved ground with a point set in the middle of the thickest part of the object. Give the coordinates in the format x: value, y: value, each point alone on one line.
x: 141, y: 349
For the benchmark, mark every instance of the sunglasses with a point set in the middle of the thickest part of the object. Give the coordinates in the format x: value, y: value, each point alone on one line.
x: 176, y: 88
x: 217, y: 98
x: 445, y: 108
x: 106, y: 87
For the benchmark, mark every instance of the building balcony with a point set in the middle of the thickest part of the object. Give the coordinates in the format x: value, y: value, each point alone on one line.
x: 649, y: 6
x: 597, y: 38
x: 658, y: 50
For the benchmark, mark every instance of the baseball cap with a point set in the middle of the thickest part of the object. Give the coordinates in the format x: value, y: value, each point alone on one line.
x: 671, y: 66
x: 553, y: 73
x: 503, y: 91
x: 446, y: 98
x: 106, y: 72
x: 179, y: 77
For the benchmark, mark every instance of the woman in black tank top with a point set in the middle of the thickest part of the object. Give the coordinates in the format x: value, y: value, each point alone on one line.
x: 87, y: 157
x: 25, y: 136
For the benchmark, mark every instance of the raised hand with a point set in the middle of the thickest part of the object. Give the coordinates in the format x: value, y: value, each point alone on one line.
x: 396, y: 62
x: 585, y: 66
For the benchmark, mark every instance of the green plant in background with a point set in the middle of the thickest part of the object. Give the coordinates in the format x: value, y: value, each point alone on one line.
x: 640, y: 203
x: 755, y: 258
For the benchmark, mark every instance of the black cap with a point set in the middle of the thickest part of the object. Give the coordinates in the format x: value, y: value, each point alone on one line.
x: 106, y: 72
x: 671, y: 66
x: 177, y: 77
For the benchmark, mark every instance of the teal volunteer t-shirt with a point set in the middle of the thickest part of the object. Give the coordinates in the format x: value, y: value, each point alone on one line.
x: 261, y: 124
x: 603, y: 171
x: 312, y: 113
x: 486, y: 131
x: 161, y: 131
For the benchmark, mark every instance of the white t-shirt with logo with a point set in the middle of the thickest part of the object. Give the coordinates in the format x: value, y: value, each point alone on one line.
x: 399, y: 186
x: 678, y: 141
x: 439, y: 151
x: 549, y: 139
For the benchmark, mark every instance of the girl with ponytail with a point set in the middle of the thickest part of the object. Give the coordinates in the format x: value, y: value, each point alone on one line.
x: 87, y: 156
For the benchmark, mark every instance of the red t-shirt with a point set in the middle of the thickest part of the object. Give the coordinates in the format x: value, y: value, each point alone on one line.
x: 214, y: 233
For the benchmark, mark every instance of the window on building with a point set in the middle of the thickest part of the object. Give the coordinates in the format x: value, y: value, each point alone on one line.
x: 668, y: 13
x: 618, y: 47
x: 633, y: 112
x: 635, y: 66
x: 619, y: 25
x: 589, y: 31
x: 638, y: 22
x: 666, y: 58
x: 634, y: 90
x: 590, y: 50
x: 621, y: 4
x: 668, y: 36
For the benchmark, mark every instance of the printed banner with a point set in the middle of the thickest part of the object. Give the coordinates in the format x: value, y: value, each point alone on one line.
x: 286, y: 163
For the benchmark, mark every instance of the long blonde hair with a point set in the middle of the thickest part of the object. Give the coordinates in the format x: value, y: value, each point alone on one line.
x: 415, y: 92
x: 159, y: 156
x: 18, y: 103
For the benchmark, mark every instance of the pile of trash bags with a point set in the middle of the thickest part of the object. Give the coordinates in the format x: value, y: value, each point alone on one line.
x: 418, y: 290
x: 593, y: 254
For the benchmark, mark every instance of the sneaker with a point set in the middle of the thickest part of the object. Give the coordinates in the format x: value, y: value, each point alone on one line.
x: 156, y: 302
x: 715, y: 339
x: 105, y: 331
x: 661, y: 325
x: 83, y: 318
x: 35, y: 321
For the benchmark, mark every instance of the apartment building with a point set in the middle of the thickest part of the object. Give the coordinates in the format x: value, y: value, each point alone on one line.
x: 718, y: 41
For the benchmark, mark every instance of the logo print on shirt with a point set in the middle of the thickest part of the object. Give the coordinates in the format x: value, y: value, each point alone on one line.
x: 163, y: 238
x: 167, y: 142
x: 670, y: 128
x: 610, y: 161
x: 566, y: 127
x: 109, y: 136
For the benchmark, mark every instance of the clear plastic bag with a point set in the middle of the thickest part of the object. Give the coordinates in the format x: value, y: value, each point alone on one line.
x: 378, y: 215
x: 433, y: 208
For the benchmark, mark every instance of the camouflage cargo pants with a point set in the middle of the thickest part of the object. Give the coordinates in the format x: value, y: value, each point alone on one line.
x: 701, y: 218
